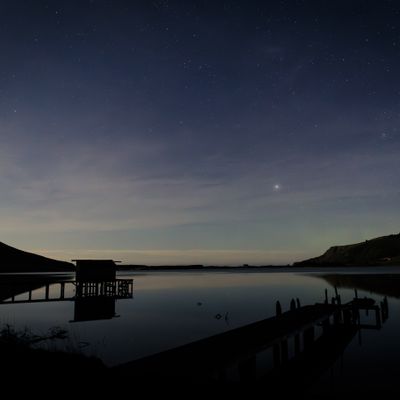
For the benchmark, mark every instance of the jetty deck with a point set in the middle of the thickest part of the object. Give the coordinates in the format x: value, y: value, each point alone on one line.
x: 71, y: 290
x: 209, y: 358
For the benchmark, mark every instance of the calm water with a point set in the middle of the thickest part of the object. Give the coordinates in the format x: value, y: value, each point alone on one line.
x: 172, y: 308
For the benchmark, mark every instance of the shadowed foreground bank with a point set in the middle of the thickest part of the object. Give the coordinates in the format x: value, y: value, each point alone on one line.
x: 19, y: 358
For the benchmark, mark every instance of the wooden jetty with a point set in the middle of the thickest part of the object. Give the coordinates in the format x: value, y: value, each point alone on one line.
x: 117, y: 289
x: 302, y: 329
x: 93, y: 278
x: 93, y: 300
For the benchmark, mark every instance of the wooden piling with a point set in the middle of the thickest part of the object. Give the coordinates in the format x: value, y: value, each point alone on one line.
x: 378, y: 317
x: 276, y: 355
x: 297, y: 345
x: 278, y: 308
x: 284, y: 350
x: 62, y: 290
x: 308, y: 337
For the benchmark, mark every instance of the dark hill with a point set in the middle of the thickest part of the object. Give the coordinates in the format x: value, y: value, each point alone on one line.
x: 384, y: 250
x: 14, y: 260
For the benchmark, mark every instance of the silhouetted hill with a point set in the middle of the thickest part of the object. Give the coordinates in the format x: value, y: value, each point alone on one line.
x: 14, y: 260
x: 384, y: 250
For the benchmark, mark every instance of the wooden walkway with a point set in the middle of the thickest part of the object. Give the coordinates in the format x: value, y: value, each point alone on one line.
x: 56, y: 291
x: 237, y: 344
x: 206, y: 358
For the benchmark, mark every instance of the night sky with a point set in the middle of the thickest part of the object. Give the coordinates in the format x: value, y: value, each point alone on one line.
x: 216, y: 132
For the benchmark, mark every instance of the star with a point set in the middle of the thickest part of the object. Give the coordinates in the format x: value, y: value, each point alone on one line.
x: 384, y: 136
x: 277, y: 187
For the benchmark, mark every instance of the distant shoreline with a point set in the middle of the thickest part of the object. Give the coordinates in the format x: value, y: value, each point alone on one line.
x: 122, y: 268
x: 211, y: 268
x: 196, y: 267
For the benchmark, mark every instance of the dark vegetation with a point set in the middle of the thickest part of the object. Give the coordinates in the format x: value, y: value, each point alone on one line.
x: 21, y: 357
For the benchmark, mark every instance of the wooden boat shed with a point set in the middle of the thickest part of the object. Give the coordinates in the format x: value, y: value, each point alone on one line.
x: 95, y: 270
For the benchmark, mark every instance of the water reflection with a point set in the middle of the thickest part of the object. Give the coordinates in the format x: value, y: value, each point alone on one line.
x: 385, y: 284
x: 93, y: 300
x: 171, y: 309
x: 14, y: 285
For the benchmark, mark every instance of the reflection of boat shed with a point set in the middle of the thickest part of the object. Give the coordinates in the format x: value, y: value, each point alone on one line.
x: 94, y: 308
x: 95, y: 270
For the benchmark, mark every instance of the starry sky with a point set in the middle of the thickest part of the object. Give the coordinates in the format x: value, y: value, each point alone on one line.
x: 215, y: 132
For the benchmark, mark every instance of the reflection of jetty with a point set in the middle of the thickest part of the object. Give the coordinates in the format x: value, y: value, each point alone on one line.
x: 296, y: 344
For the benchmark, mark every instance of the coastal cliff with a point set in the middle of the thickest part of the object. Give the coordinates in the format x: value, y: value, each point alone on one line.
x: 383, y: 250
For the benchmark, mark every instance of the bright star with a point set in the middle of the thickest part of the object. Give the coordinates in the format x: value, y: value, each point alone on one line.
x: 277, y: 187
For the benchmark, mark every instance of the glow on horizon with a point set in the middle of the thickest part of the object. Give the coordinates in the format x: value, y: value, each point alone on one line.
x: 180, y: 257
